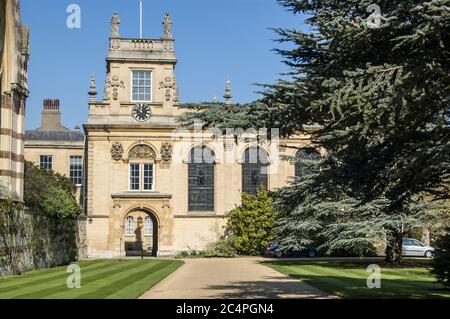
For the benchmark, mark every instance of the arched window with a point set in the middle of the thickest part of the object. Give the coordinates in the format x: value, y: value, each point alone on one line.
x: 201, y: 179
x: 148, y: 226
x: 129, y: 226
x: 254, y: 170
x: 303, y: 161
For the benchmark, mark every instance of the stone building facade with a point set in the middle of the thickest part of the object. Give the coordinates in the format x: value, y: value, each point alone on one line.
x: 153, y: 187
x: 14, y: 55
x: 53, y: 146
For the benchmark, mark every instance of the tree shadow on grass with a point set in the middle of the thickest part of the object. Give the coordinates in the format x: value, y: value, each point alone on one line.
x: 346, y: 285
x: 350, y: 263
x: 349, y: 287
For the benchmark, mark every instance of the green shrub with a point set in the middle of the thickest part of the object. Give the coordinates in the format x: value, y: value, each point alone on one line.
x: 50, y: 193
x: 60, y: 203
x: 222, y: 249
x: 183, y: 254
x: 441, y: 260
x: 251, y: 224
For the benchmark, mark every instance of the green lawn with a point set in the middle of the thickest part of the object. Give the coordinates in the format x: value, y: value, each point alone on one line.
x: 348, y: 278
x: 99, y: 279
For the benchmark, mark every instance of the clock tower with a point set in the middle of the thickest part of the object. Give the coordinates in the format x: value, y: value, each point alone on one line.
x: 140, y: 85
x: 129, y: 174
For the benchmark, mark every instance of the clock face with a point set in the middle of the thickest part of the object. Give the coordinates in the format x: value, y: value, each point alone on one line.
x: 141, y: 112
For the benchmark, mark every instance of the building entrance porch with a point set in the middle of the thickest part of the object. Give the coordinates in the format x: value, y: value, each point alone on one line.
x: 141, y: 233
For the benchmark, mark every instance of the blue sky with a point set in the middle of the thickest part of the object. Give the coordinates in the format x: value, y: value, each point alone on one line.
x: 214, y: 40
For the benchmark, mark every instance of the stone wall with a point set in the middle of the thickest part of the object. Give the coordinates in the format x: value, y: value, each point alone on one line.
x: 47, y: 242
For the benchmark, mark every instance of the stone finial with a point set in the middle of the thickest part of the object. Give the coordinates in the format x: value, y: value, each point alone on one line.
x: 92, y: 89
x: 115, y: 22
x: 167, y: 24
x: 228, y: 97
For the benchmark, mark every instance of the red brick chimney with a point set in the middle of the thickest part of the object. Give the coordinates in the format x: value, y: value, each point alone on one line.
x: 50, y: 104
x: 51, y: 116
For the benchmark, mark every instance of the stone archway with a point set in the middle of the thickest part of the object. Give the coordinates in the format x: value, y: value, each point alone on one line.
x: 141, y: 233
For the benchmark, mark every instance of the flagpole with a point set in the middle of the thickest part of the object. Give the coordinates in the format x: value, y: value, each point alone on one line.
x: 140, y: 20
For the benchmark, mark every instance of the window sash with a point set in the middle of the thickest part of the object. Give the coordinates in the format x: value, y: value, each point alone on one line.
x: 148, y: 177
x: 141, y: 90
x: 46, y: 161
x: 129, y: 227
x: 135, y: 177
x: 76, y: 170
x: 141, y: 177
x: 148, y: 226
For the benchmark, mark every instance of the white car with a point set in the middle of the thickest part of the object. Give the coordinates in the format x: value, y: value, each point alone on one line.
x: 414, y: 248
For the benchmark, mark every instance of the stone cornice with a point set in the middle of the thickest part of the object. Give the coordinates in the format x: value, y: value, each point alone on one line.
x: 57, y: 146
x: 200, y: 215
x: 141, y: 195
x: 99, y: 103
x: 129, y: 103
x: 121, y: 127
x: 141, y: 59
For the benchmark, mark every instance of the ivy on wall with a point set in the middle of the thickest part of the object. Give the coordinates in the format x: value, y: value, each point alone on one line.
x: 13, y: 234
x: 42, y: 231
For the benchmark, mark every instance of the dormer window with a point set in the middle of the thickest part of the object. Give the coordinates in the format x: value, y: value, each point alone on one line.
x: 141, y: 86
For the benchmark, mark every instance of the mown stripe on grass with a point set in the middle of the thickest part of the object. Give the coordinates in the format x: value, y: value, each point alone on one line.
x: 141, y: 286
x: 329, y: 282
x: 417, y: 274
x: 42, y: 287
x: 113, y: 286
x: 351, y: 282
x: 35, y: 278
x: 88, y: 286
x: 44, y: 272
x: 320, y: 272
x: 57, y: 286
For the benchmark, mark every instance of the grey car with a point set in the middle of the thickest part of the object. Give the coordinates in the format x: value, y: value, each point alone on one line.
x: 414, y: 248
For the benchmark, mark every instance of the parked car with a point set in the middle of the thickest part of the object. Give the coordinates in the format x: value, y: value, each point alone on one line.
x: 309, y: 251
x: 413, y: 248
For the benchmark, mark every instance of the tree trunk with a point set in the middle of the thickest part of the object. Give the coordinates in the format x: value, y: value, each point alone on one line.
x: 394, y: 249
x: 426, y: 236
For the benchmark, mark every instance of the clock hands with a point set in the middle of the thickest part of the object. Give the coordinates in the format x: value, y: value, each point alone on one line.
x: 141, y: 112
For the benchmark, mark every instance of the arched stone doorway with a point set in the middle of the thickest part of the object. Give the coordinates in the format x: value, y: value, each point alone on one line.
x: 141, y: 233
